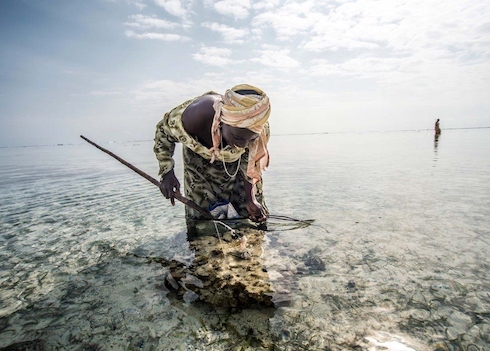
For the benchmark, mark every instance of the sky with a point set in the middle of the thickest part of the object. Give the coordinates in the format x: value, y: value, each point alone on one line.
x: 110, y: 69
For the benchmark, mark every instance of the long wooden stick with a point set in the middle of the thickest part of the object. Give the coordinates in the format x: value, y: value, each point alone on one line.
x: 177, y: 195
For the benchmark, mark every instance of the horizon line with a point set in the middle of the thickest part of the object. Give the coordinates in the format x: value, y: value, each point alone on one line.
x: 281, y: 135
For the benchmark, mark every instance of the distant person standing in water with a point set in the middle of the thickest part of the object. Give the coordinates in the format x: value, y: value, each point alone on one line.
x: 437, y: 128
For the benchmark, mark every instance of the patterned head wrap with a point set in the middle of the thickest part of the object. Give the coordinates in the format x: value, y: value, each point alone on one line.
x: 244, y: 111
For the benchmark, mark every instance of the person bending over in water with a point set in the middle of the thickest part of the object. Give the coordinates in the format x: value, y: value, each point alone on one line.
x: 225, y: 150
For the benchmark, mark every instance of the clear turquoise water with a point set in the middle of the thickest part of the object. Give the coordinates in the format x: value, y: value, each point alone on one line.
x: 402, y: 232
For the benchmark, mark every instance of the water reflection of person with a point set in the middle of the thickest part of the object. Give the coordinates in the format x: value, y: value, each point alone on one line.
x: 227, y: 271
x: 436, y: 143
x: 437, y: 127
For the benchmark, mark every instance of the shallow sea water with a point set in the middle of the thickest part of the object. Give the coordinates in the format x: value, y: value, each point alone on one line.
x: 397, y: 258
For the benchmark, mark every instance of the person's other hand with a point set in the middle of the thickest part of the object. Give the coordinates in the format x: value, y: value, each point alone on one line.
x: 256, y: 211
x: 169, y: 186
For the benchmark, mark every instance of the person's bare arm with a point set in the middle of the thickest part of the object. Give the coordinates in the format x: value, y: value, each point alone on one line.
x: 255, y: 210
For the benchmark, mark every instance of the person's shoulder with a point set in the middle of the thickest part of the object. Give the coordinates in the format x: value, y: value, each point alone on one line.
x: 206, y: 98
x: 212, y: 93
x: 202, y: 105
x: 199, y: 114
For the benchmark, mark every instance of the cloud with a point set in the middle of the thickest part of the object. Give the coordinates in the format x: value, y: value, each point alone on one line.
x: 360, y: 67
x: 156, y: 91
x: 361, y: 25
x: 290, y: 19
x: 266, y: 5
x: 146, y: 22
x: 214, y: 56
x: 401, y: 26
x: 139, y: 4
x: 423, y: 45
x: 173, y: 7
x: 157, y: 36
x: 167, y: 94
x: 230, y: 35
x: 277, y: 58
x: 415, y: 77
x: 239, y: 9
x: 365, y: 25
x: 335, y: 41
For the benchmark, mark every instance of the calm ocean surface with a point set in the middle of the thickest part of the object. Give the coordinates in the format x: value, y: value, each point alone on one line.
x: 398, y: 258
